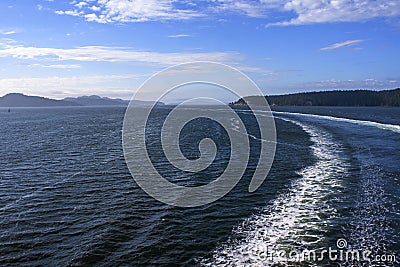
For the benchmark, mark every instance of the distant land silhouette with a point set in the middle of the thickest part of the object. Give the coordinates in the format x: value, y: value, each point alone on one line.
x: 95, y: 100
x: 21, y: 100
x: 389, y: 98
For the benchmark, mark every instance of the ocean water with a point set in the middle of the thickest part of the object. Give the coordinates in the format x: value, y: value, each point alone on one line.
x: 67, y: 197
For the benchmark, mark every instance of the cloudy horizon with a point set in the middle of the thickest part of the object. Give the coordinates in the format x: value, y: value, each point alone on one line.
x: 109, y: 48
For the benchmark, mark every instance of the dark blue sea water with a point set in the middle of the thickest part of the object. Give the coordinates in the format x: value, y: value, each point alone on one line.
x: 67, y: 197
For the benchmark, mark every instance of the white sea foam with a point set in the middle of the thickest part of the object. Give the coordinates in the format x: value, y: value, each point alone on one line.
x: 390, y: 127
x: 294, y: 220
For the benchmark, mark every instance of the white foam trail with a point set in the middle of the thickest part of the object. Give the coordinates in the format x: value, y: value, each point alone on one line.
x: 296, y: 220
x: 235, y: 127
x: 390, y: 127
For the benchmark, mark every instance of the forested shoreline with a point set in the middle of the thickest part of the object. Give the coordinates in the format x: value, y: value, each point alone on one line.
x: 389, y: 98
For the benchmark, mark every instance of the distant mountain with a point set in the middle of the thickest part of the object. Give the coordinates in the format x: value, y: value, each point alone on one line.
x: 95, y: 100
x: 21, y: 100
x: 330, y: 98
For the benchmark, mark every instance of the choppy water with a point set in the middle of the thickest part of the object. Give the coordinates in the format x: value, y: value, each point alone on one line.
x: 67, y: 197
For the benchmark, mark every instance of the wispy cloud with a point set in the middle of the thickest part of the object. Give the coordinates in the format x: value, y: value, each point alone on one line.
x: 7, y: 43
x: 311, y: 12
x: 123, y: 85
x: 255, y: 9
x: 341, y: 45
x: 106, y: 11
x: 250, y: 69
x: 52, y: 66
x: 59, y: 87
x: 7, y: 32
x: 370, y: 83
x: 306, y: 11
x: 336, y: 84
x: 53, y: 57
x: 179, y: 35
x: 61, y: 66
x: 73, y: 13
x: 113, y: 54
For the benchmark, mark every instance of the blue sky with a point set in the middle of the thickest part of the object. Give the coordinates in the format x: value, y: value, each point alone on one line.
x: 109, y: 47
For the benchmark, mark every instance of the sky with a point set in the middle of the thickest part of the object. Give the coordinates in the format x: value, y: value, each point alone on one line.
x: 58, y: 49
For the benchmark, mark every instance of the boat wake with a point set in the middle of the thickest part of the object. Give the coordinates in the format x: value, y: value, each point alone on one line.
x: 295, y: 220
x: 383, y: 126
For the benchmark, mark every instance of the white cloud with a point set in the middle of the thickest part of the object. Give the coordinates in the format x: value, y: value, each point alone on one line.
x: 7, y: 43
x: 249, y: 69
x: 61, y: 66
x: 310, y: 11
x: 112, y: 54
x: 60, y: 87
x: 95, y: 8
x: 52, y: 66
x: 300, y: 11
x: 341, y: 44
x: 253, y: 8
x: 370, y: 83
x: 80, y: 4
x: 7, y: 32
x: 179, y: 35
x: 123, y: 85
x: 73, y: 13
x: 332, y: 84
x: 119, y: 55
x: 106, y: 11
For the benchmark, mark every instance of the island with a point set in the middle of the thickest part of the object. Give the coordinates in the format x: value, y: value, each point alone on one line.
x: 21, y: 100
x: 386, y: 98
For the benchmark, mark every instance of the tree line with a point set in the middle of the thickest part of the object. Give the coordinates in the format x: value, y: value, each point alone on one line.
x: 330, y: 98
